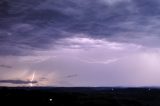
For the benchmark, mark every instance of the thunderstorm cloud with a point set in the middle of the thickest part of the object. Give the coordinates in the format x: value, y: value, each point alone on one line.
x: 105, y: 42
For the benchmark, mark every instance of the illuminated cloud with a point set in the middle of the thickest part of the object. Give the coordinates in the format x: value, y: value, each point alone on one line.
x: 90, y: 43
x: 101, y: 62
x: 112, y: 2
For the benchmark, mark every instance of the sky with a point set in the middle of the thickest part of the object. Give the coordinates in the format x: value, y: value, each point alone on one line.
x: 80, y: 43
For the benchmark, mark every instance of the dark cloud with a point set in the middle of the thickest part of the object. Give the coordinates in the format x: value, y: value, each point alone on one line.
x: 5, y: 66
x: 72, y: 75
x: 31, y: 25
x: 17, y: 82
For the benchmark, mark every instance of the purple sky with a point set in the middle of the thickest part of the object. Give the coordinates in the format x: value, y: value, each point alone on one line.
x: 80, y: 43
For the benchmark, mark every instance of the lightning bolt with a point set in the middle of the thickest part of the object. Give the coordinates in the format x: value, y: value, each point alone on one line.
x: 32, y: 79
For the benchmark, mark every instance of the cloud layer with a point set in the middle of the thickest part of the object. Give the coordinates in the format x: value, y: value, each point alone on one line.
x: 17, y: 82
x: 27, y: 26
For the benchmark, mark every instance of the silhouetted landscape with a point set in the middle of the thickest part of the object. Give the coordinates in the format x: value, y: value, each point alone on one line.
x: 63, y: 96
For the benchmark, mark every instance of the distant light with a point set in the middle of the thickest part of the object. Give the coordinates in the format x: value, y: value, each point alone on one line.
x: 149, y: 89
x: 112, y: 89
x: 50, y: 100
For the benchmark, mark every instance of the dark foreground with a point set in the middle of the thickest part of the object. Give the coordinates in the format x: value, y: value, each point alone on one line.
x: 80, y: 96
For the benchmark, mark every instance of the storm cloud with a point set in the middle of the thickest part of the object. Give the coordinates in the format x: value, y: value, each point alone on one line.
x: 105, y: 42
x: 5, y: 66
x: 30, y: 25
x: 17, y: 82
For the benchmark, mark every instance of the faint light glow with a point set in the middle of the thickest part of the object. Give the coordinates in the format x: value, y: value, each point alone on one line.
x: 50, y: 100
x: 101, y: 62
x: 112, y: 2
x: 88, y: 43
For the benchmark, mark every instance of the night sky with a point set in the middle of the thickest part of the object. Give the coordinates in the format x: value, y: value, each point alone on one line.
x: 80, y: 43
